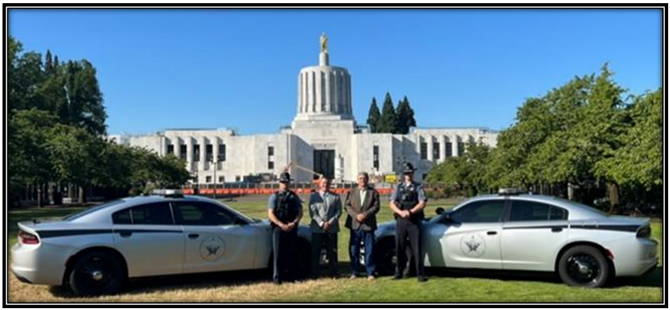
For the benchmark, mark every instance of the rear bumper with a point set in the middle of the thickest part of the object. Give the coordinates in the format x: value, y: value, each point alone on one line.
x: 636, y: 260
x: 31, y: 264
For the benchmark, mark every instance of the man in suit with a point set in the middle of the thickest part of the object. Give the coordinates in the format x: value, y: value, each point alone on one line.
x: 325, y: 209
x: 362, y: 205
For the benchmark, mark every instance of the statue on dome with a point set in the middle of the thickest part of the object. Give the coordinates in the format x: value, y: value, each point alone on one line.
x: 324, y: 43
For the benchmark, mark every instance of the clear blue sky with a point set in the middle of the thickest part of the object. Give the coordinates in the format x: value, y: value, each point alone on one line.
x: 238, y: 68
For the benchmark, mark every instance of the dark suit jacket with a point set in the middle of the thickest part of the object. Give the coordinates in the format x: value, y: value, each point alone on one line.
x: 369, y: 207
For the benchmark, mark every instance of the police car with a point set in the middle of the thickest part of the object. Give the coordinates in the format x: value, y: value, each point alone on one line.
x: 95, y: 251
x: 514, y: 231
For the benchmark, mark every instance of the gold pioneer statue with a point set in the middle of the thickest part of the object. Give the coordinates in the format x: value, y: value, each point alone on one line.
x: 324, y: 43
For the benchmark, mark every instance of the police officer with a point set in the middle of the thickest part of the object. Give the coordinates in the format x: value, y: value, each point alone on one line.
x: 284, y: 212
x: 407, y: 202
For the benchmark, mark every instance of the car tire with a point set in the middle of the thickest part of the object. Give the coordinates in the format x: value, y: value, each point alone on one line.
x: 96, y: 273
x: 385, y: 256
x: 584, y: 266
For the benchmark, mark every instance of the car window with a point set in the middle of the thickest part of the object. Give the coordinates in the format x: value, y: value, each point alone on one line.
x: 523, y: 210
x: 480, y: 212
x: 77, y: 215
x: 202, y: 213
x: 157, y: 213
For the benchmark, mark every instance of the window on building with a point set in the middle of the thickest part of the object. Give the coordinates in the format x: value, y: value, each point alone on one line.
x: 209, y: 152
x: 436, y: 150
x: 461, y: 148
x: 271, y: 157
x: 424, y: 150
x: 237, y: 178
x: 196, y: 152
x: 222, y: 152
x: 447, y: 150
x: 375, y: 157
x: 182, y: 152
x: 221, y: 179
x: 170, y: 149
x: 208, y: 179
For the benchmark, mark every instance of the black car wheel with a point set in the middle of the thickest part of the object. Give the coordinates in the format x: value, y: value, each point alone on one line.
x: 96, y: 273
x: 584, y: 266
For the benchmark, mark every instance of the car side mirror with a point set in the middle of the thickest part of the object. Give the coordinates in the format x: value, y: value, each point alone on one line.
x: 439, y: 210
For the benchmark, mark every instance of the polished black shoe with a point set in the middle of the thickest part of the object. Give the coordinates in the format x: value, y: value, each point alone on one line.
x: 276, y: 281
x: 422, y: 279
x: 397, y: 276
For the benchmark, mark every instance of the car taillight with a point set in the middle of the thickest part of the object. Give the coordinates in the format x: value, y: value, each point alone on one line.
x: 28, y: 238
x: 644, y: 232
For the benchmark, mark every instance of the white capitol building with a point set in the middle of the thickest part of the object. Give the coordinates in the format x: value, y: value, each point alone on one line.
x: 323, y: 137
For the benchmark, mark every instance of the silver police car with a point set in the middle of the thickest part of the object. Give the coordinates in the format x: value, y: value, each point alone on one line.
x: 514, y: 231
x: 95, y: 251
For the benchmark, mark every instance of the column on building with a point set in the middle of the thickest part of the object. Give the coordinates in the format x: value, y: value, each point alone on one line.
x: 189, y: 153
x: 203, y: 153
x: 443, y: 144
x: 215, y: 153
x: 454, y: 145
x: 164, y: 145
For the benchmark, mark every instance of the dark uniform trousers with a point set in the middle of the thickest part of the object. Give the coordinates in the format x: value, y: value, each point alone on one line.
x: 284, y: 247
x: 330, y: 240
x: 408, y: 229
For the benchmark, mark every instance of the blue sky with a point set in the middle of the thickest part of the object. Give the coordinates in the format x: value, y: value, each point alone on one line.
x: 193, y: 68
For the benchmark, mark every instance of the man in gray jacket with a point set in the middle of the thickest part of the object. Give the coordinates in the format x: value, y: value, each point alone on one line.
x: 325, y: 209
x: 362, y: 206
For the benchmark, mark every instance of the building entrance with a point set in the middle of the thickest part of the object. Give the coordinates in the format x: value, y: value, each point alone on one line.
x: 324, y: 163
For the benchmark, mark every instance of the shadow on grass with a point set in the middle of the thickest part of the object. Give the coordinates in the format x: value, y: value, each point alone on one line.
x: 652, y: 279
x: 179, y: 282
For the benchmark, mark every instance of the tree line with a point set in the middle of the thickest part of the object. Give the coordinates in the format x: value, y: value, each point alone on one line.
x: 584, y: 140
x: 57, y: 133
x: 391, y: 120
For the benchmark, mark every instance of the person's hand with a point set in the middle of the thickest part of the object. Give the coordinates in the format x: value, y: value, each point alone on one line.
x: 326, y: 226
x: 283, y: 227
x: 360, y: 217
x: 290, y: 226
x: 405, y: 214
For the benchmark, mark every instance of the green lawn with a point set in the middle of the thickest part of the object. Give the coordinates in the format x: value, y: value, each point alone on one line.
x: 443, y: 286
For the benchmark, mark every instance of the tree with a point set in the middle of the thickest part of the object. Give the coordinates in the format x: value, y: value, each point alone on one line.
x: 29, y: 132
x: 373, y: 116
x: 83, y: 103
x: 387, y: 121
x: 75, y: 156
x: 405, y: 116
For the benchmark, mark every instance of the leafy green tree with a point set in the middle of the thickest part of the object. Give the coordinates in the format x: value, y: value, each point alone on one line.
x: 639, y: 160
x: 373, y: 116
x: 29, y: 131
x: 388, y: 120
x: 405, y: 117
x: 83, y: 105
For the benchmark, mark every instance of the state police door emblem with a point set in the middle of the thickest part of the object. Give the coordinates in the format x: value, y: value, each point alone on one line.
x: 473, y: 245
x: 212, y: 248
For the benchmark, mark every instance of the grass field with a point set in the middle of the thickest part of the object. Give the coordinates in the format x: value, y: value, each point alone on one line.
x: 443, y: 286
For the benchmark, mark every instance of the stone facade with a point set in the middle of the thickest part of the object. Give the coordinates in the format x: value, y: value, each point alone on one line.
x: 323, y: 137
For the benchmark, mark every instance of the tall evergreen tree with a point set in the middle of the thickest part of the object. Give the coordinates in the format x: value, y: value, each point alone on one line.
x: 405, y: 116
x: 388, y: 121
x: 373, y: 116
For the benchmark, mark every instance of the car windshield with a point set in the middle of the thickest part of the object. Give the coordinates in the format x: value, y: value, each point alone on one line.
x: 77, y: 215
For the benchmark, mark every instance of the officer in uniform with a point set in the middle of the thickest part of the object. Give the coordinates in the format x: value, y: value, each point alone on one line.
x: 284, y: 212
x: 407, y: 202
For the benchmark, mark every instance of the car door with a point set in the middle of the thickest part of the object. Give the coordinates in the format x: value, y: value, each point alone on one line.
x: 532, y: 235
x: 215, y: 238
x: 472, y: 238
x: 149, y: 240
